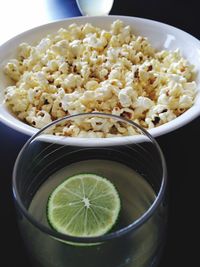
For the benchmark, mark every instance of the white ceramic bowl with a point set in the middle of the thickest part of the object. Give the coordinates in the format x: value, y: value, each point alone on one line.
x: 160, y: 35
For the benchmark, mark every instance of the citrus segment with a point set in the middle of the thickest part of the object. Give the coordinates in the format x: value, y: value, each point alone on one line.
x: 84, y: 205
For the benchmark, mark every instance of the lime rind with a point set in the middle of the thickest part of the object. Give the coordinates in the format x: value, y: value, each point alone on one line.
x: 84, y: 205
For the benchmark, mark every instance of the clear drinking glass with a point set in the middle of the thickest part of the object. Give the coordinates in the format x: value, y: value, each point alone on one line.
x: 95, y: 7
x: 136, y: 167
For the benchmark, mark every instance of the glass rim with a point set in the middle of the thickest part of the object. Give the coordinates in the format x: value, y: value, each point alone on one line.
x: 113, y: 235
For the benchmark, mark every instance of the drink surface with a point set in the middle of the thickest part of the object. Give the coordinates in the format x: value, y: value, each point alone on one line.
x: 95, y: 7
x: 135, y: 193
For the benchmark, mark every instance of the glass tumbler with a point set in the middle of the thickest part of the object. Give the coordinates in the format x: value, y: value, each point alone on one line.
x: 109, y: 146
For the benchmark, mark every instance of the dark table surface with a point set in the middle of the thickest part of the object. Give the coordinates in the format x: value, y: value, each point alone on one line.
x: 180, y: 148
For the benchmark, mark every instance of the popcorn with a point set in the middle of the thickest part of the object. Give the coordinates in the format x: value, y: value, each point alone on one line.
x: 84, y: 68
x: 12, y: 69
x: 24, y: 50
x: 158, y: 115
x: 91, y: 85
x: 69, y: 100
x: 64, y: 68
x: 38, y: 119
x: 127, y: 96
x: 72, y: 81
x: 142, y: 104
x: 76, y: 48
x: 185, y: 101
x: 103, y: 93
x: 100, y: 124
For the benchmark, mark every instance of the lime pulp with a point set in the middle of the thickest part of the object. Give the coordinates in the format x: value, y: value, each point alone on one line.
x: 84, y: 205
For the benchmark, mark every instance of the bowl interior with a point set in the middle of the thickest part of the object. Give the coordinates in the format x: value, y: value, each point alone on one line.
x: 160, y: 35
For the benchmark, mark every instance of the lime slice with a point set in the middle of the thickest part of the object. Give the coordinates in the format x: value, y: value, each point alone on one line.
x: 85, y: 205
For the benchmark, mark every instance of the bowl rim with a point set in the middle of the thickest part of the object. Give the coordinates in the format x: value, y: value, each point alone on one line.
x: 10, y: 119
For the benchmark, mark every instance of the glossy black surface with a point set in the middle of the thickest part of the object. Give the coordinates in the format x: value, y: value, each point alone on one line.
x: 181, y: 149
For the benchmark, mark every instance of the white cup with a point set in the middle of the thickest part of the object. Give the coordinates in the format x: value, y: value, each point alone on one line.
x: 95, y: 7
